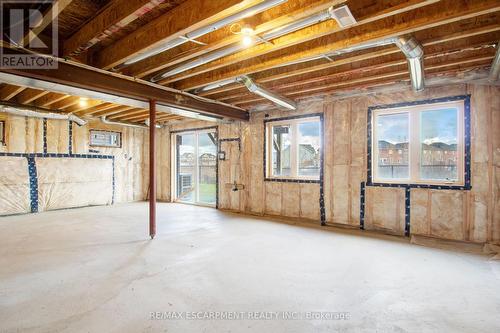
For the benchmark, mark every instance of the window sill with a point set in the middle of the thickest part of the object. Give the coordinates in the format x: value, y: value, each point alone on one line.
x: 293, y: 180
x: 421, y: 185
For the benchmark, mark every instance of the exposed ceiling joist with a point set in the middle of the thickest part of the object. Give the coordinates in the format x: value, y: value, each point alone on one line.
x: 29, y: 95
x: 51, y: 15
x: 361, y: 63
x: 271, y: 19
x: 49, y: 99
x: 94, y: 109
x: 182, y: 19
x: 363, y: 15
x: 441, y: 13
x: 10, y: 91
x: 115, y: 16
x: 469, y: 33
x: 371, y: 80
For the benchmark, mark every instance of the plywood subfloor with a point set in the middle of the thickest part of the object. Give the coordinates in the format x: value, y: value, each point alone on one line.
x: 96, y: 270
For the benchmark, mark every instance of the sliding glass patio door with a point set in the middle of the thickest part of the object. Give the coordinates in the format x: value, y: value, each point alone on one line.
x: 195, y: 168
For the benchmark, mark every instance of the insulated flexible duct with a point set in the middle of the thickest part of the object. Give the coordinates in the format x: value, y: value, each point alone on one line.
x: 38, y: 113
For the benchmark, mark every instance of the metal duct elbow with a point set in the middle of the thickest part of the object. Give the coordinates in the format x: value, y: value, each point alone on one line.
x: 495, y: 66
x: 414, y: 53
x: 268, y: 94
x: 23, y: 111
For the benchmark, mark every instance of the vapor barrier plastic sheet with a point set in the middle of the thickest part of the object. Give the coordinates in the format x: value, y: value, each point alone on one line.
x: 74, y: 182
x: 14, y: 186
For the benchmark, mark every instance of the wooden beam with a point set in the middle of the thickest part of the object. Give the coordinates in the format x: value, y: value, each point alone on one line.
x: 286, y: 13
x: 441, y: 13
x: 29, y: 95
x: 188, y: 16
x: 363, y: 13
x: 49, y: 99
x: 84, y: 77
x: 115, y: 16
x: 135, y: 117
x: 9, y: 91
x: 117, y: 109
x: 51, y: 15
x: 96, y: 108
x: 77, y: 107
x: 65, y: 103
x: 129, y: 113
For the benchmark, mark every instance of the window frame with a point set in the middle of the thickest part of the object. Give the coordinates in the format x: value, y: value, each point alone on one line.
x: 294, y: 151
x: 414, y: 111
x: 105, y: 131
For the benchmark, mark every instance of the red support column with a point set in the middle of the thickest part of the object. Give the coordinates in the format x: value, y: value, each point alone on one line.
x: 152, y: 168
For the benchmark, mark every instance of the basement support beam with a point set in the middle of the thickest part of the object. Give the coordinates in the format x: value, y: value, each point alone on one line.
x: 152, y: 169
x: 80, y: 80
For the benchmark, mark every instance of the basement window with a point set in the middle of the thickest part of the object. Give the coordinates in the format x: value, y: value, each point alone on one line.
x: 2, y: 133
x: 105, y: 139
x: 420, y: 144
x: 293, y: 148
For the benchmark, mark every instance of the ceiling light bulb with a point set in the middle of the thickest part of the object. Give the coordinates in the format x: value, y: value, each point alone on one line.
x: 247, y: 40
x: 83, y: 102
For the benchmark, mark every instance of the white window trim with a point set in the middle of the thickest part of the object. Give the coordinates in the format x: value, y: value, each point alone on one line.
x: 414, y: 143
x: 294, y: 163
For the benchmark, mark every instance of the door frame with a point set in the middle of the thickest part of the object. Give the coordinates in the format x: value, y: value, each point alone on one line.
x: 174, y: 166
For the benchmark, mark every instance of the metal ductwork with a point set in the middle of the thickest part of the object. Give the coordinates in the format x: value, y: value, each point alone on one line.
x: 191, y: 36
x: 267, y: 94
x: 25, y: 111
x: 414, y: 53
x: 216, y: 85
x: 495, y: 66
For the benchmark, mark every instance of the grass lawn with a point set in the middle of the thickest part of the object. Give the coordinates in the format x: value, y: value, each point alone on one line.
x: 207, y: 193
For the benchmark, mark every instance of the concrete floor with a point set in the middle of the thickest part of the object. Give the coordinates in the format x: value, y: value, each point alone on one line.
x: 95, y: 270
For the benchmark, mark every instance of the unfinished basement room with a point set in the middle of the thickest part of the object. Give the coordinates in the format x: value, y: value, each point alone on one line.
x: 280, y: 166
